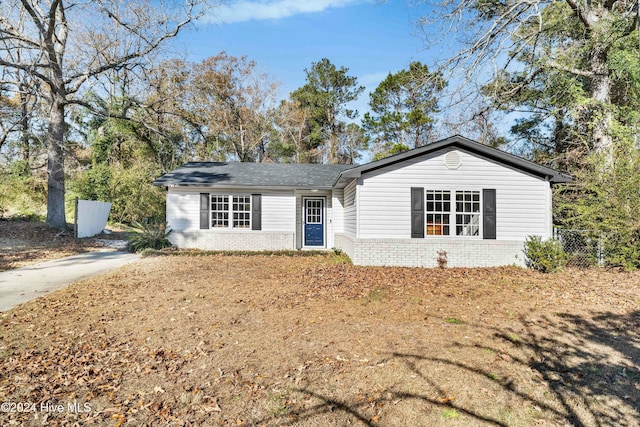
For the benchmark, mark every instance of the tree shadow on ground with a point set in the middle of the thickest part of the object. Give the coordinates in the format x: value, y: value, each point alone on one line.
x: 587, y: 366
x: 591, y: 365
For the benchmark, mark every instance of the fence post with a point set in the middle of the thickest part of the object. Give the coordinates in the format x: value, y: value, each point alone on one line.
x: 75, y: 220
x: 600, y: 252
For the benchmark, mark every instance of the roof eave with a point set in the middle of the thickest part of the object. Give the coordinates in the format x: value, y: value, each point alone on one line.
x: 561, y: 178
x: 505, y: 158
x: 248, y: 187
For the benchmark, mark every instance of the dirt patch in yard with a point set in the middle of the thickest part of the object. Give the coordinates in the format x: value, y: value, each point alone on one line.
x: 257, y: 340
x: 27, y: 242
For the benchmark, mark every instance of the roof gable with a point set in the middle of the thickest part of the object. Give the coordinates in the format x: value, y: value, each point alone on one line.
x: 465, y: 144
x: 320, y: 176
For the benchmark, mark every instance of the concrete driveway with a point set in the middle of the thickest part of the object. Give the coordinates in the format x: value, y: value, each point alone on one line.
x: 27, y: 283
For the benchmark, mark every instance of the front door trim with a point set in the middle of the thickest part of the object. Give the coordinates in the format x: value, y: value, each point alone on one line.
x: 314, y: 222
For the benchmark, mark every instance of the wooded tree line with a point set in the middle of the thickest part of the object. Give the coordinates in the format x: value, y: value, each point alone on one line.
x: 87, y: 90
x: 88, y: 84
x: 158, y: 117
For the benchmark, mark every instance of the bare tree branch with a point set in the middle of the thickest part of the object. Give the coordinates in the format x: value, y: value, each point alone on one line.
x: 64, y: 44
x: 76, y: 80
x: 572, y: 70
x: 512, y: 49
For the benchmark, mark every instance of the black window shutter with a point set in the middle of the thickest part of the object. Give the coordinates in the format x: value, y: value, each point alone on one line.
x: 256, y: 211
x: 204, y: 211
x: 488, y: 214
x: 417, y: 212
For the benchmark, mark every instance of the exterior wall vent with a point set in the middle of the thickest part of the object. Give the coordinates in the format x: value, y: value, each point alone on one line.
x: 452, y: 160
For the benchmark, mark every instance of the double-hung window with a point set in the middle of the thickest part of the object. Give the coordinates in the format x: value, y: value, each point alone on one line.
x: 454, y: 213
x: 241, y: 211
x: 467, y: 213
x: 219, y: 211
x: 438, y: 212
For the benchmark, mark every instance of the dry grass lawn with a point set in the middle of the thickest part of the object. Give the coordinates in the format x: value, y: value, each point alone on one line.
x: 309, y: 341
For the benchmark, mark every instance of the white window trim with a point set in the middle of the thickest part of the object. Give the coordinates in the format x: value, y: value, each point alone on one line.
x: 452, y: 214
x: 229, y: 197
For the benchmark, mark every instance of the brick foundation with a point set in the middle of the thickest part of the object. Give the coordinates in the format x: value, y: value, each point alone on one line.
x: 424, y: 252
x: 238, y: 240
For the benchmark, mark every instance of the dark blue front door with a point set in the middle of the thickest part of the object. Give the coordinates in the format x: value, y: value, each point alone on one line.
x: 313, y: 222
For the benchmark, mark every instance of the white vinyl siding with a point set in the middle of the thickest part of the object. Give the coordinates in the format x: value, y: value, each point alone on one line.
x: 183, y: 208
x: 384, y: 197
x: 338, y: 210
x: 278, y: 210
x: 350, y: 209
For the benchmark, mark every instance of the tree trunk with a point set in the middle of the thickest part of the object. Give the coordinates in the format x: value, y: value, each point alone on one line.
x: 25, y: 138
x: 332, y: 130
x: 602, y: 115
x: 55, y: 165
x: 333, y: 148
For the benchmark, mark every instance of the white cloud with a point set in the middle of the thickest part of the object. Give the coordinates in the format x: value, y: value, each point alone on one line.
x: 244, y: 10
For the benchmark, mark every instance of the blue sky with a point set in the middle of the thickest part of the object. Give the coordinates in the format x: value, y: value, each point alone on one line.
x: 370, y: 37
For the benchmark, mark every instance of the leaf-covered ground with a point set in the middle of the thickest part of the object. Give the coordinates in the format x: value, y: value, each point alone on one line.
x: 27, y: 242
x: 268, y: 340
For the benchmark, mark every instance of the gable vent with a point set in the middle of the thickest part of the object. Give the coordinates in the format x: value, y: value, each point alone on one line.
x: 452, y: 160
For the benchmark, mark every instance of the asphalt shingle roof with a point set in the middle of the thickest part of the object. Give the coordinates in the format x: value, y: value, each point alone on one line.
x: 317, y: 176
x: 208, y: 174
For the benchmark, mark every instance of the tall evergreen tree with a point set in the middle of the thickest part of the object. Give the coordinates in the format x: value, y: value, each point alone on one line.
x: 402, y: 108
x: 326, y: 94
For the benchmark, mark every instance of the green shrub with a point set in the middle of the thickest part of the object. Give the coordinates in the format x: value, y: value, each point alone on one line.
x: 22, y: 196
x: 130, y: 191
x: 604, y: 200
x: 546, y: 256
x: 148, y: 236
x: 623, y: 249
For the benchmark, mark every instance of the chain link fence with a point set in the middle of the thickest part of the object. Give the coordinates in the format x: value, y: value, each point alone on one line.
x: 584, y: 248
